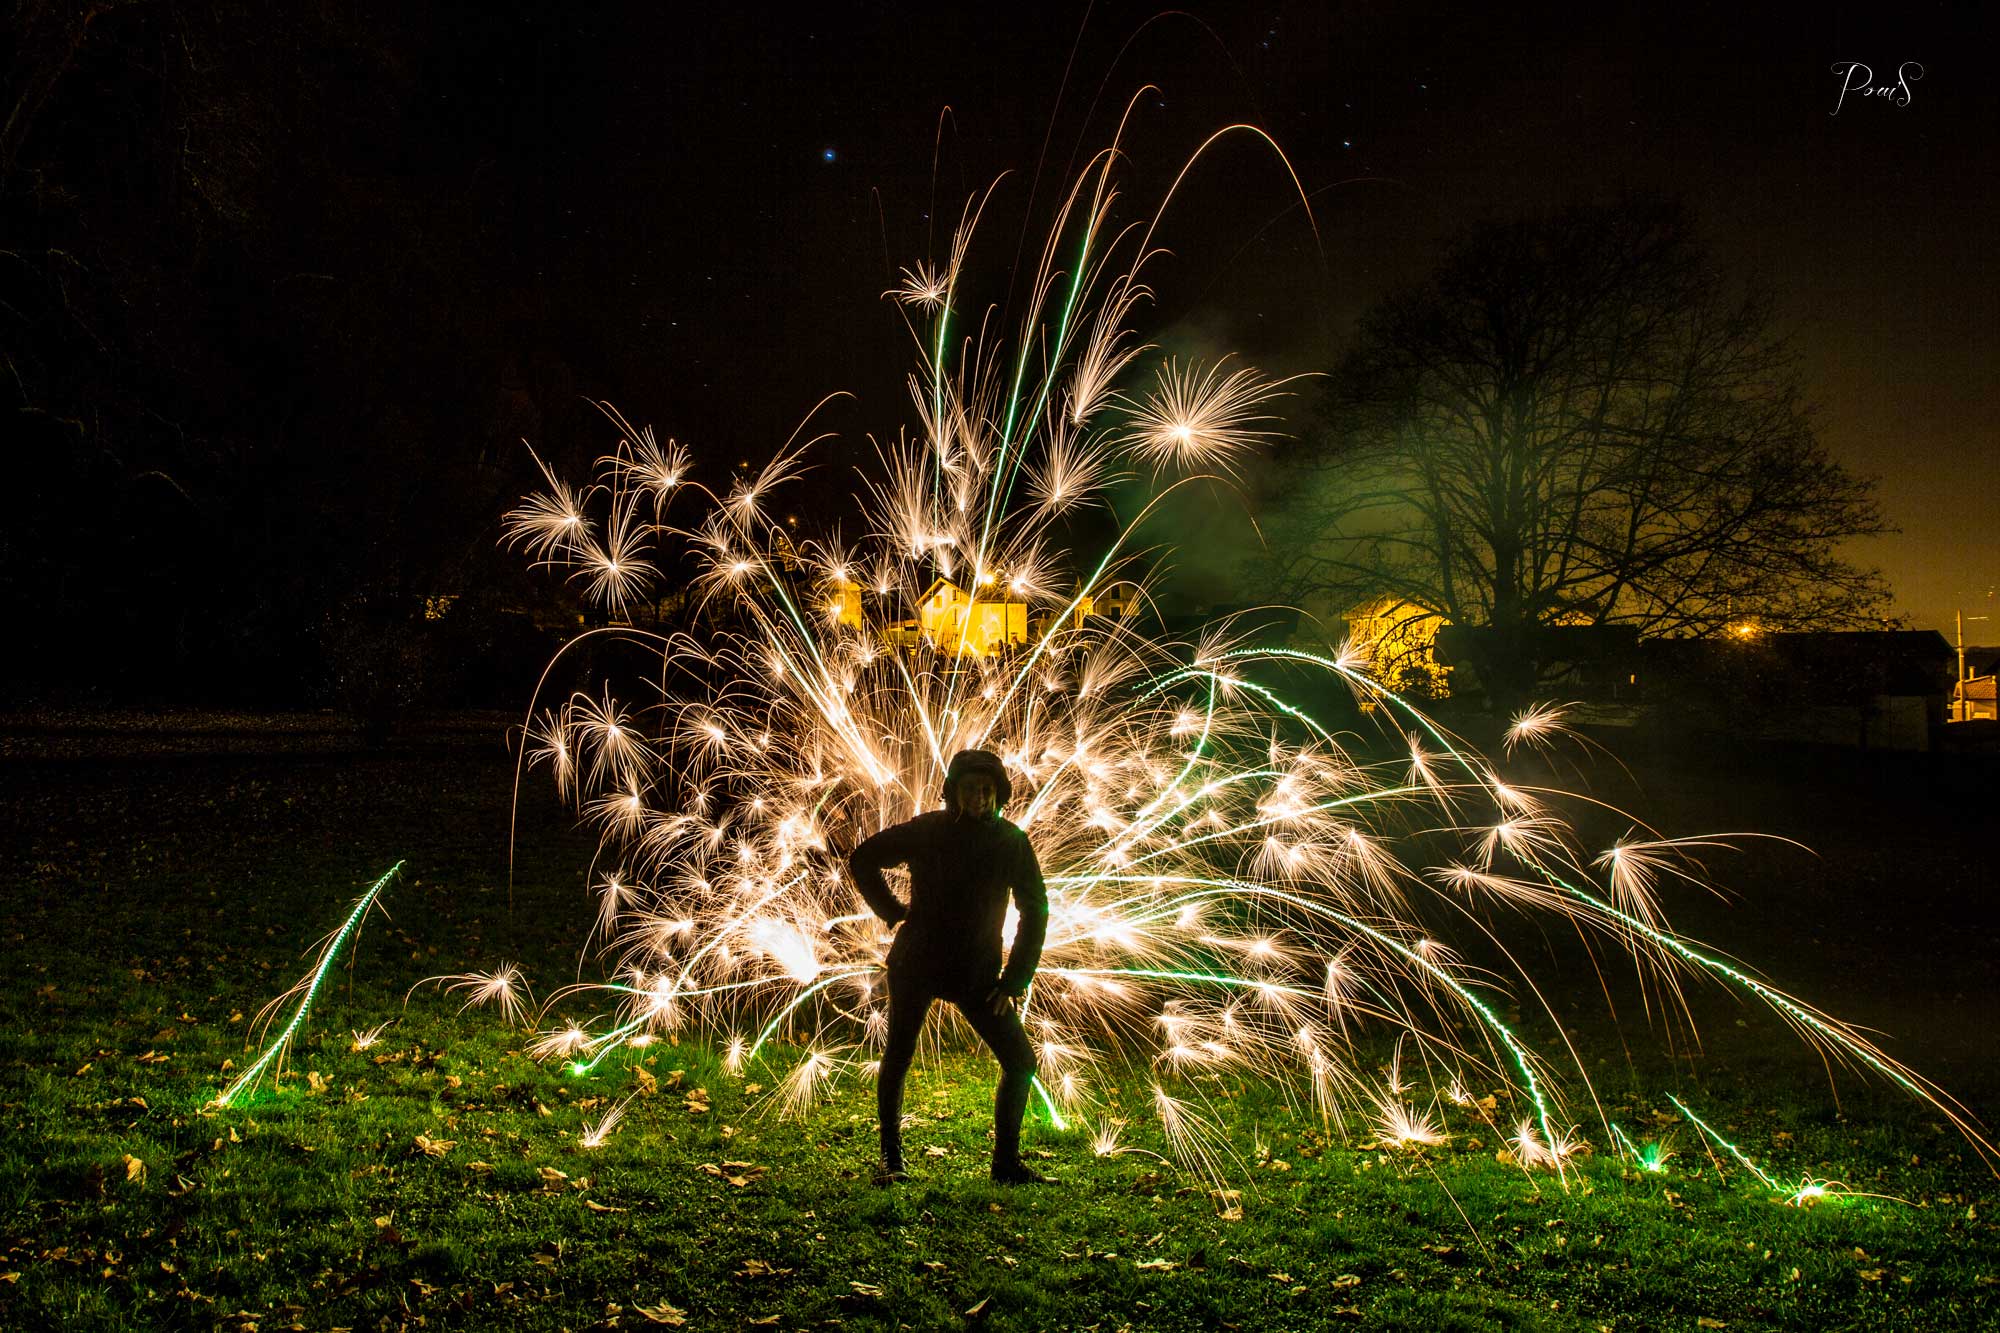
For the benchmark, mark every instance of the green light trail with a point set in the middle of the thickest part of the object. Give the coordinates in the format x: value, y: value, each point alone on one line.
x: 275, y: 1051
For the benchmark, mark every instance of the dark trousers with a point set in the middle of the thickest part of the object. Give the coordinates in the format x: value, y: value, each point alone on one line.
x: 911, y: 994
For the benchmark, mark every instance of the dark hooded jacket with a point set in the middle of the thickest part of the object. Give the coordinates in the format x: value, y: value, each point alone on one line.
x: 962, y: 873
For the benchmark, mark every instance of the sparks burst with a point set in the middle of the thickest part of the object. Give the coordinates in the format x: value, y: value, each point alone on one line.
x: 1235, y: 890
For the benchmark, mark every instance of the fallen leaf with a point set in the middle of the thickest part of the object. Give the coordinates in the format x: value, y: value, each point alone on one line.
x: 865, y: 1289
x: 316, y: 1081
x: 480, y: 1168
x: 1705, y: 1322
x: 758, y: 1268
x: 936, y: 1150
x: 1285, y: 1278
x: 551, y: 1177
x: 663, y: 1313
x: 1157, y: 1266
x: 1347, y: 1280
x: 1872, y: 1274
x: 980, y: 1308
x: 431, y: 1147
x: 135, y: 1170
x: 597, y: 1207
x: 647, y: 1083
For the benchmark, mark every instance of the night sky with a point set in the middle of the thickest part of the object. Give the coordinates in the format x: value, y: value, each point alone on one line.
x: 735, y: 196
x: 318, y: 252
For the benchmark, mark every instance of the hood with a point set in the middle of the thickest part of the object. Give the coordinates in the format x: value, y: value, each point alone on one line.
x: 967, y: 762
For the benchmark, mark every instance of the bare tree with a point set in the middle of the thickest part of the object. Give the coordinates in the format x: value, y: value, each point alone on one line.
x: 1575, y: 421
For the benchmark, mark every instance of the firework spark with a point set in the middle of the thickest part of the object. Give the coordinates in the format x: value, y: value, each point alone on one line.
x: 307, y: 990
x: 1236, y: 891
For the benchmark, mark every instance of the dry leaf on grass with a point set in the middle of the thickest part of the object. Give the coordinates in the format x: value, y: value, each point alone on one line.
x: 135, y: 1170
x: 758, y: 1268
x: 663, y: 1313
x: 431, y: 1147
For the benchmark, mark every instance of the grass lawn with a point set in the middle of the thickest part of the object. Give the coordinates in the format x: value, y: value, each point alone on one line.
x: 156, y: 894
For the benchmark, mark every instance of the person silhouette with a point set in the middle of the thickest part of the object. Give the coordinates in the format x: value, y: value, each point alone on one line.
x: 965, y: 861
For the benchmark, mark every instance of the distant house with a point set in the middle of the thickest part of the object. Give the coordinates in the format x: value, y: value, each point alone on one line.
x: 1875, y: 689
x: 1595, y: 664
x: 1973, y: 699
x: 1398, y: 642
x: 843, y: 602
x: 957, y: 621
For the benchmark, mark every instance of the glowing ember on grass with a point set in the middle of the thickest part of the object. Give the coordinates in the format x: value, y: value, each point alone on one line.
x: 1236, y: 891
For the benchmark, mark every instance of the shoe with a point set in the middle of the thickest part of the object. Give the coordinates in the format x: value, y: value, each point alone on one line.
x: 1018, y: 1173
x: 891, y: 1173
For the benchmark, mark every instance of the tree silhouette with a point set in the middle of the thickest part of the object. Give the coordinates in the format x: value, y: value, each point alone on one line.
x: 1574, y: 421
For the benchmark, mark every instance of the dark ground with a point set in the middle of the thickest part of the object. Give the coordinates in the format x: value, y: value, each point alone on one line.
x: 1880, y: 909
x: 169, y: 857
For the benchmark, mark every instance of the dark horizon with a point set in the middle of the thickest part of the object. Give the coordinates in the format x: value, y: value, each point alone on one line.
x: 430, y: 235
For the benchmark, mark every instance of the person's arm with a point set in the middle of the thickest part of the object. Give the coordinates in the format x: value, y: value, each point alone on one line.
x: 1031, y: 900
x: 893, y: 846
